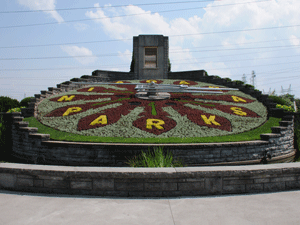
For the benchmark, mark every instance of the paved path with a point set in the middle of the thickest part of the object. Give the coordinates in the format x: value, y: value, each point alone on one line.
x: 275, y: 208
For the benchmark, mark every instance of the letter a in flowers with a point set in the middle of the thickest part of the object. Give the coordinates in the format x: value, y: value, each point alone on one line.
x: 66, y: 98
x: 71, y: 110
x: 100, y: 120
x: 238, y: 99
x: 210, y: 120
x: 156, y: 123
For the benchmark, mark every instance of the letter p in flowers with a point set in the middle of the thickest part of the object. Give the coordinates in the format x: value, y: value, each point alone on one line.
x: 156, y: 123
x: 71, y: 110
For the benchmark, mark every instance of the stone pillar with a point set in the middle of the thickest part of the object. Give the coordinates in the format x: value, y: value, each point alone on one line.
x: 151, y: 54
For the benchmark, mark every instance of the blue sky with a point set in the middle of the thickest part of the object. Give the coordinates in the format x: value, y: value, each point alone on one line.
x: 227, y: 38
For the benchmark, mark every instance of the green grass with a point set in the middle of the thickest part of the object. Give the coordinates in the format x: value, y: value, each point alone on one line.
x: 155, y: 158
x: 64, y: 136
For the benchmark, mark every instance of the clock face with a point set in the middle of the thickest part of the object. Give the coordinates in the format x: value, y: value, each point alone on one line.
x: 115, y: 111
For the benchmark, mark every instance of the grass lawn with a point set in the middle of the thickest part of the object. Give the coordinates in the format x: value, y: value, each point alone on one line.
x: 64, y: 136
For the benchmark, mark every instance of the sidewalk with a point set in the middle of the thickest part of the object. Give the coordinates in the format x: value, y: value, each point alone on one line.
x: 273, y: 208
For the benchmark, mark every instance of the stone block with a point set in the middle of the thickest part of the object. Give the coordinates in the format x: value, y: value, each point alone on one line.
x: 254, y: 188
x: 292, y: 185
x: 235, y: 182
x: 272, y: 187
x: 191, y: 186
x: 81, y: 185
x: 38, y: 183
x: 213, y: 185
x: 8, y: 180
x: 160, y: 186
x: 103, y: 184
x: 56, y: 184
x: 23, y: 182
x: 129, y: 186
x: 282, y: 179
x: 234, y: 189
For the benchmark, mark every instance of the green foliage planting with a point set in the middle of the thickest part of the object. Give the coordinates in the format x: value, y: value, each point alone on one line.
x: 285, y: 107
x: 15, y: 109
x: 278, y: 100
x: 227, y: 79
x: 65, y: 136
x: 155, y: 158
x: 7, y: 103
x: 24, y: 102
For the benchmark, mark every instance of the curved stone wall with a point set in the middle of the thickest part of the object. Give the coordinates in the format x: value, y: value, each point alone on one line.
x: 150, y: 182
x: 29, y: 145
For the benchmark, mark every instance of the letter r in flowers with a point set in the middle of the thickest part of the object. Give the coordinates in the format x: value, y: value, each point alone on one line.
x: 156, y: 123
x: 210, y: 120
x: 71, y: 110
x: 100, y: 120
x: 66, y: 98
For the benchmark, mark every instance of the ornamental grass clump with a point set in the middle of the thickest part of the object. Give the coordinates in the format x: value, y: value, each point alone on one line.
x: 155, y: 158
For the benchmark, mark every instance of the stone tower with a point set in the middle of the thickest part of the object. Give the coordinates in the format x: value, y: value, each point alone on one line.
x: 151, y: 54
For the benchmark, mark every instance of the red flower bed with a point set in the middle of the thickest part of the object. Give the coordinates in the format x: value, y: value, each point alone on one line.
x: 154, y: 119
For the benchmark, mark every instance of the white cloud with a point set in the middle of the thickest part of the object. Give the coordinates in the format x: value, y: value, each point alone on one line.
x: 74, y: 51
x: 218, y: 69
x: 43, y: 5
x: 81, y: 26
x: 126, y: 56
x: 182, y: 59
x: 294, y: 40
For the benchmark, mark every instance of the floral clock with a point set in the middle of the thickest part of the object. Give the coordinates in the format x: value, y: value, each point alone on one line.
x: 115, y: 111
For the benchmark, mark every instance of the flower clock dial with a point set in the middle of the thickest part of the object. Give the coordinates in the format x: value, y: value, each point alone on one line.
x: 115, y: 111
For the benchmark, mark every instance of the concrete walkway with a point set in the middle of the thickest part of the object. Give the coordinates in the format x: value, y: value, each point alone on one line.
x: 274, y: 208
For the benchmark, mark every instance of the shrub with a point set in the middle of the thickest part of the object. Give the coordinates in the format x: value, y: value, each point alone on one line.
x: 278, y: 100
x: 285, y: 107
x: 155, y: 158
x: 227, y: 79
x: 7, y: 103
x: 24, y: 102
x: 238, y: 82
x: 15, y: 109
x: 85, y: 76
x: 249, y: 86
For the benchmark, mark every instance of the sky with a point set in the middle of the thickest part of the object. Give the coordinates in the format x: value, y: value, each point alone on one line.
x: 46, y: 42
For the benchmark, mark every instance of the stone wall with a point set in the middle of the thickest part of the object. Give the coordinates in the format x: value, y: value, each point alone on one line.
x: 150, y: 182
